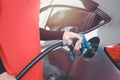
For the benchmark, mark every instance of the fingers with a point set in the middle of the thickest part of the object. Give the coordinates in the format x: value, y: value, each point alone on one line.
x: 77, y: 45
x: 68, y: 35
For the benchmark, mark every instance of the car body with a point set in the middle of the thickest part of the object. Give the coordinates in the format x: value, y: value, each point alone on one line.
x: 101, y: 66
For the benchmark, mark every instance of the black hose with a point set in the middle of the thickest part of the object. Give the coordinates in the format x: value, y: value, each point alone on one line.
x: 45, y: 52
x: 39, y: 57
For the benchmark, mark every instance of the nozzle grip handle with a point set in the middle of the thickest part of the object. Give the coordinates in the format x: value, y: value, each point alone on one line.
x: 85, y: 43
x: 69, y: 42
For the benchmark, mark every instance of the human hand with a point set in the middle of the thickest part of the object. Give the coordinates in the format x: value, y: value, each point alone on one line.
x: 68, y: 35
x: 6, y: 76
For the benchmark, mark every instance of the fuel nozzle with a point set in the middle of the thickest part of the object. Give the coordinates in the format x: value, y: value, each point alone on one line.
x: 89, y: 47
